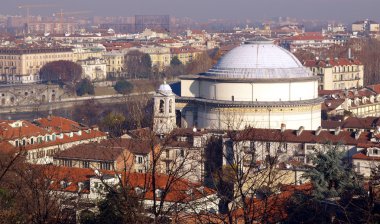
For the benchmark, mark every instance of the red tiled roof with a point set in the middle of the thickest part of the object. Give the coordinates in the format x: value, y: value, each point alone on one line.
x: 307, y: 136
x: 59, y: 124
x: 106, y: 150
x: 375, y: 88
x: 331, y: 62
x: 26, y: 129
x: 362, y: 156
x: 177, y: 188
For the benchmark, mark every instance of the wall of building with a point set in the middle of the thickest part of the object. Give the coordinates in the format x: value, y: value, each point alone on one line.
x: 271, y: 117
x: 270, y: 91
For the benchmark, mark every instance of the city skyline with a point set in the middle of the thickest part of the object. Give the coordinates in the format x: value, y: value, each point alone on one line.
x: 350, y: 11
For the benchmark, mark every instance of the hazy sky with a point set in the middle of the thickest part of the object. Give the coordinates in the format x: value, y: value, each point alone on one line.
x: 340, y: 10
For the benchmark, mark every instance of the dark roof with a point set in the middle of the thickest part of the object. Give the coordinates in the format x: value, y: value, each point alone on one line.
x: 353, y: 123
x: 306, y: 136
x: 107, y: 150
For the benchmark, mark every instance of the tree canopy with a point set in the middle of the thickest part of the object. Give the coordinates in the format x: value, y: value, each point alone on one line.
x: 61, y: 72
x: 332, y: 176
x: 138, y: 64
x: 123, y: 87
x: 85, y: 87
x: 175, y: 61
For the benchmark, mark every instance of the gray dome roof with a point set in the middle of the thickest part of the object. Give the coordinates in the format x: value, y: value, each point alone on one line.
x: 259, y: 59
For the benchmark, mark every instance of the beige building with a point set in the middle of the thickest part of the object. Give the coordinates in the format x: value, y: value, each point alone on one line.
x: 114, y: 63
x: 160, y: 56
x: 94, y: 69
x: 366, y: 161
x: 22, y: 65
x: 342, y: 73
x: 365, y: 26
x: 186, y: 54
x: 81, y: 53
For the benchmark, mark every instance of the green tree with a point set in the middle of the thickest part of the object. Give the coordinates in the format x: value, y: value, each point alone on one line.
x: 114, y: 123
x: 123, y: 87
x: 85, y: 86
x: 337, y: 192
x: 331, y: 176
x: 175, y: 61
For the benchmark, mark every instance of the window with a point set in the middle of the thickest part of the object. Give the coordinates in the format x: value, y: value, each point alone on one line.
x: 86, y: 164
x: 162, y: 103
x: 267, y: 146
x: 358, y: 167
x: 375, y: 151
x: 167, y: 153
x: 139, y: 159
x: 67, y: 163
x: 170, y: 106
x: 105, y: 166
x: 182, y: 153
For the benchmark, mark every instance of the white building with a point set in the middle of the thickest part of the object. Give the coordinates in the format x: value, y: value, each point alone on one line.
x: 257, y: 84
x: 94, y: 69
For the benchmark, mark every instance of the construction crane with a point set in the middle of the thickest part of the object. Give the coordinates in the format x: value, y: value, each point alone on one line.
x: 30, y: 6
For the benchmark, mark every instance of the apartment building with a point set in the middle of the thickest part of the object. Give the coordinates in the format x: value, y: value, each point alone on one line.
x: 22, y: 65
x: 42, y: 138
x: 94, y: 69
x: 114, y: 63
x: 113, y: 154
x: 338, y: 73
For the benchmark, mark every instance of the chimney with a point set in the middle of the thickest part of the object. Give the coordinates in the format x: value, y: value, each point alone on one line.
x: 337, y: 130
x: 318, y: 131
x: 283, y: 127
x: 300, y: 130
x: 357, y: 134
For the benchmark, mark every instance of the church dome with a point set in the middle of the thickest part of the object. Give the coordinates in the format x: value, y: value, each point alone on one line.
x: 259, y: 58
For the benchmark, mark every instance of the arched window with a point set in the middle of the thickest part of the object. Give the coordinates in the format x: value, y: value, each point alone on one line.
x: 170, y: 105
x: 162, y: 104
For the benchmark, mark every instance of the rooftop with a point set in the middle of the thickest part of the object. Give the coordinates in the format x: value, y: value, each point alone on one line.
x: 259, y: 58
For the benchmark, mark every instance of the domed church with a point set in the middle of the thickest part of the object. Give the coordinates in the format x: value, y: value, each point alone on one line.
x: 257, y: 84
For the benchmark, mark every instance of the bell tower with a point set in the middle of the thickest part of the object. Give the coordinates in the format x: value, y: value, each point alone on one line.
x: 164, y: 118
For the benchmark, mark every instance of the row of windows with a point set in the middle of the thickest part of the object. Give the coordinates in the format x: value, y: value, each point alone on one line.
x: 85, y: 164
x: 24, y: 142
x: 42, y: 153
x: 162, y: 106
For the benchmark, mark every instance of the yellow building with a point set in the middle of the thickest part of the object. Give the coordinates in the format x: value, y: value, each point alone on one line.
x: 114, y: 62
x: 185, y: 54
x: 80, y: 54
x: 342, y: 73
x: 22, y: 65
x: 160, y: 56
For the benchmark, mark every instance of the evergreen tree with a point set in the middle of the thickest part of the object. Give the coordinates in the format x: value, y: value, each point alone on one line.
x: 175, y: 61
x: 85, y: 87
x: 123, y: 87
x: 331, y: 176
